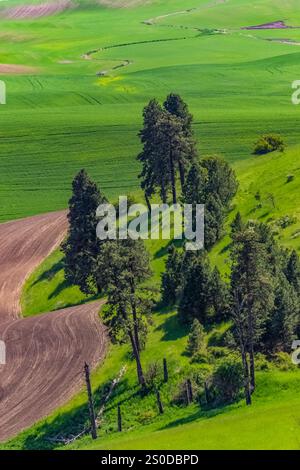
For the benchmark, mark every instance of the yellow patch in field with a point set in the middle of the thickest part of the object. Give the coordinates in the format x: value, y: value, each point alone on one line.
x: 126, y: 89
x: 106, y: 81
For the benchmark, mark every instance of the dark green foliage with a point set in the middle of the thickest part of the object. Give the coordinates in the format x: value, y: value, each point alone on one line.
x: 236, y: 225
x: 124, y: 265
x: 214, y: 219
x: 252, y: 289
x: 219, y: 296
x: 172, y: 277
x: 269, y: 143
x: 211, y: 182
x: 194, y: 191
x: 227, y: 380
x: 168, y: 147
x: 155, y: 170
x: 221, y: 179
x: 81, y: 247
x: 196, y: 338
x: 283, y: 324
x: 175, y: 105
x: 195, y: 301
x: 292, y: 271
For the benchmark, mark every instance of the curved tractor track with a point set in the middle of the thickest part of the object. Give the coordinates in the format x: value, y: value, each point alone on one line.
x: 45, y: 354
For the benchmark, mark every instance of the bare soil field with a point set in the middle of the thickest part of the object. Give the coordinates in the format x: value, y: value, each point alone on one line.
x: 16, y: 69
x: 44, y: 354
x: 36, y: 11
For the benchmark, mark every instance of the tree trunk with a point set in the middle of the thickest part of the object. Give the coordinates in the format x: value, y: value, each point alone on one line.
x: 148, y: 202
x: 187, y: 393
x: 139, y: 369
x: 163, y: 192
x: 190, y: 390
x: 251, y: 346
x: 246, y: 376
x: 173, y: 180
x: 166, y: 372
x: 90, y: 399
x: 206, y: 393
x: 252, y: 369
x: 119, y: 419
x: 159, y: 403
x: 135, y: 320
x: 182, y: 175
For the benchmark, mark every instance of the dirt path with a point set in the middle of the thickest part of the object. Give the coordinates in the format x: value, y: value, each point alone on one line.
x: 45, y: 354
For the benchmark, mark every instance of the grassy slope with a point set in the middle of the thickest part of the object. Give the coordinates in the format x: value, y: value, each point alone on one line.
x: 64, y: 117
x: 46, y: 290
x: 230, y: 110
x: 275, y: 407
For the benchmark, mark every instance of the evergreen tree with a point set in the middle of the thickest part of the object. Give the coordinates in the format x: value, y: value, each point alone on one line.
x: 194, y: 190
x: 236, y: 225
x: 221, y: 179
x: 177, y: 107
x: 196, y: 338
x: 172, y: 277
x: 252, y: 288
x: 195, y: 300
x: 81, y: 247
x: 282, y: 326
x: 155, y: 168
x: 125, y: 266
x: 171, y: 147
x: 219, y: 296
x: 214, y: 219
x: 292, y: 271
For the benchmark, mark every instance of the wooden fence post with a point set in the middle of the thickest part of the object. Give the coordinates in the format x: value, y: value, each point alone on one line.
x: 90, y: 399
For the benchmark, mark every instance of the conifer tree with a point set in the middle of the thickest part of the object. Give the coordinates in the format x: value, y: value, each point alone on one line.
x: 196, y: 338
x: 124, y: 264
x: 195, y: 300
x: 155, y: 167
x: 293, y: 271
x: 252, y: 288
x: 220, y: 296
x: 221, y: 179
x: 175, y: 105
x: 236, y: 225
x: 81, y: 247
x: 172, y: 277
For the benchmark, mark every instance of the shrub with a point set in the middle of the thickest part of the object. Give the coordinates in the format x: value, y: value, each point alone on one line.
x: 284, y: 362
x: 227, y: 380
x: 285, y: 221
x: 153, y: 375
x: 269, y: 143
x: 261, y: 363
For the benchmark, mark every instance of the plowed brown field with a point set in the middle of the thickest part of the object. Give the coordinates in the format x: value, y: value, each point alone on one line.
x: 44, y: 354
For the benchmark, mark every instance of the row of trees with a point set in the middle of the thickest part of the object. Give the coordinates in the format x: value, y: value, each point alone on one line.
x: 119, y: 268
x: 170, y: 161
x: 116, y: 268
x: 168, y: 147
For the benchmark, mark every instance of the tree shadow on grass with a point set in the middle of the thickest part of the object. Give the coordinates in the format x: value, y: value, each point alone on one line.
x: 201, y: 413
x: 163, y: 251
x: 50, y: 273
x: 173, y: 329
x: 71, y: 423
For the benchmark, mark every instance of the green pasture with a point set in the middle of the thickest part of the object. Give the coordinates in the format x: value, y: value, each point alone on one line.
x: 62, y: 116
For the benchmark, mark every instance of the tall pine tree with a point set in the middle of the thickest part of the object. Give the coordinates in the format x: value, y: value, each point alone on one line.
x: 82, y: 246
